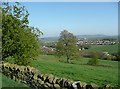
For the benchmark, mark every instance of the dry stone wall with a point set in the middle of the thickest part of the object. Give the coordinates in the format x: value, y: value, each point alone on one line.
x: 36, y: 80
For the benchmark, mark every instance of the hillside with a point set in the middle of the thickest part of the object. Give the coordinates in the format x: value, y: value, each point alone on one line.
x: 78, y: 70
x: 88, y: 37
x: 101, y: 48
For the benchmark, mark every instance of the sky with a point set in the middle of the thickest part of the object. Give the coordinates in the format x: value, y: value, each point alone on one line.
x: 80, y: 18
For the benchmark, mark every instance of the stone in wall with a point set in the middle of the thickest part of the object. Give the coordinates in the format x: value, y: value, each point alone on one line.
x: 56, y: 86
x: 76, y: 85
x: 50, y: 78
x: 83, y: 85
x: 55, y: 80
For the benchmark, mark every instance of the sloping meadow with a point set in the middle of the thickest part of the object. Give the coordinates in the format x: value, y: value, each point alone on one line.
x: 35, y: 79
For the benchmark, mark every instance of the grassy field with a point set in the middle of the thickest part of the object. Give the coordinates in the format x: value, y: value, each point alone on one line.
x: 105, y: 73
x: 7, y: 82
x: 108, y: 48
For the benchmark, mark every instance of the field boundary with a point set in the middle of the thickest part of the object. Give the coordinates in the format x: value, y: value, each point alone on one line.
x: 35, y: 79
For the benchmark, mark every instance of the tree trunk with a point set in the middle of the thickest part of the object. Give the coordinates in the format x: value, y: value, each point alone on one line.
x: 68, y: 60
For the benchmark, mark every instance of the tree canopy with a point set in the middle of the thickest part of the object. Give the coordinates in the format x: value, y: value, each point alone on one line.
x: 66, y: 46
x: 19, y: 40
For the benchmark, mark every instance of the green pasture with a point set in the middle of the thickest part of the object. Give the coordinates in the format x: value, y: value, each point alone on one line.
x: 7, y: 82
x: 101, y: 48
x: 105, y: 73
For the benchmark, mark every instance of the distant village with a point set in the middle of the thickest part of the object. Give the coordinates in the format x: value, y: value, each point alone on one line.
x: 81, y: 43
x: 98, y: 42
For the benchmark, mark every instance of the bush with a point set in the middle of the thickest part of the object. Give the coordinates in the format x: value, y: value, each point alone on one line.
x: 116, y: 57
x: 19, y: 40
x: 94, y: 59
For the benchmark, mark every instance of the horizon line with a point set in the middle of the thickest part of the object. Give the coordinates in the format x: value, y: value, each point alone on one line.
x: 81, y: 35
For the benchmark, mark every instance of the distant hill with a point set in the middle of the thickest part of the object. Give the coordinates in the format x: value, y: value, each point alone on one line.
x: 87, y: 37
x: 95, y: 37
x: 49, y: 39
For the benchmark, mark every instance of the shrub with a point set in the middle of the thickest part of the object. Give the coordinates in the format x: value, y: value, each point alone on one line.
x: 94, y: 59
x: 18, y: 39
